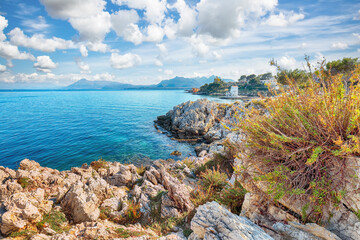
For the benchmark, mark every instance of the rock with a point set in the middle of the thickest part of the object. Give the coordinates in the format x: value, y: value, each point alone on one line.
x: 213, y: 221
x: 27, y: 164
x: 199, y: 120
x: 81, y: 204
x: 40, y: 237
x: 177, y: 191
x: 11, y: 221
x: 175, y: 153
x: 111, y: 203
x: 122, y: 175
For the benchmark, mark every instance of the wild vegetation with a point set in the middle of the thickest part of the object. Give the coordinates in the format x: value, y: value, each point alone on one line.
x: 302, y: 147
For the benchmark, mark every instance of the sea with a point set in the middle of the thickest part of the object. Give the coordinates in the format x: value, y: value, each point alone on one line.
x: 64, y: 129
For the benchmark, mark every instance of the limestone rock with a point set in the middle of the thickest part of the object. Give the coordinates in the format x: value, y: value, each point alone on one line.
x: 213, y: 221
x: 81, y: 204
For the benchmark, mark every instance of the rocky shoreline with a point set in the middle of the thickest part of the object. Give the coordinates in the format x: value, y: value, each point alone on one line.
x: 110, y: 200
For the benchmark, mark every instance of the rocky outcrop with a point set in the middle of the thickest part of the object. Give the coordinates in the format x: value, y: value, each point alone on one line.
x: 202, y: 120
x: 213, y: 221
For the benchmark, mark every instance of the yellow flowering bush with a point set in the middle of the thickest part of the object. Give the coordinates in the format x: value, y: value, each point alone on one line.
x: 301, y: 145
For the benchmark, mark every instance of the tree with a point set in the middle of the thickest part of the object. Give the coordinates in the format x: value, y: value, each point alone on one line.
x: 344, y: 66
x: 298, y: 76
x: 242, y: 78
x: 265, y: 76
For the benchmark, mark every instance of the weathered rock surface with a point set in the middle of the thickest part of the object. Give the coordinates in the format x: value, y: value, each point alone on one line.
x: 213, y: 221
x: 199, y: 120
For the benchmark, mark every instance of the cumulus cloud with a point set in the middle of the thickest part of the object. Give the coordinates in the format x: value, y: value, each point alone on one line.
x: 199, y: 48
x: 86, y: 16
x: 83, y: 50
x: 9, y: 51
x: 127, y: 60
x: 2, y: 68
x: 287, y: 62
x: 65, y: 9
x: 92, y: 28
x: 98, y: 47
x: 187, y: 21
x: 133, y: 34
x: 154, y: 9
x: 154, y: 33
x: 122, y: 19
x: 38, y: 41
x: 339, y: 45
x: 44, y: 64
x: 223, y: 19
x: 85, y: 68
x: 284, y: 19
x: 3, y: 25
x: 169, y: 72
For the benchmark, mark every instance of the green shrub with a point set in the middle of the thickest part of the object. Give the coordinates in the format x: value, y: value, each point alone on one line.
x: 233, y: 197
x: 303, y: 144
x: 24, y: 182
x: 55, y: 220
x: 101, y: 163
x: 213, y: 179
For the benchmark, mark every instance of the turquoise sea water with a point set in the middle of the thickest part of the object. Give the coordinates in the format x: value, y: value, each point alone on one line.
x: 63, y: 129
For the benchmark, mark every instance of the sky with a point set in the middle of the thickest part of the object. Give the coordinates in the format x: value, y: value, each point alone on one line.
x: 53, y: 43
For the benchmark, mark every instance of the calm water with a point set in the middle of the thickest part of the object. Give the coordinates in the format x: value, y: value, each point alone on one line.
x: 63, y: 129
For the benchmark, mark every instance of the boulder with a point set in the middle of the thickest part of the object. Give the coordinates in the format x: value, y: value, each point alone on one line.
x: 81, y: 204
x: 213, y: 221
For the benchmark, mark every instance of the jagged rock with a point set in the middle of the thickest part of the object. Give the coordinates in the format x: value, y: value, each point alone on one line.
x: 111, y: 203
x: 177, y: 191
x: 27, y: 164
x: 81, y: 203
x: 122, y: 175
x: 213, y: 221
x: 200, y: 120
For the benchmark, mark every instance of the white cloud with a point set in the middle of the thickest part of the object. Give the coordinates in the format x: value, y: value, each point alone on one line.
x: 9, y: 51
x: 2, y: 68
x: 3, y: 25
x: 127, y: 60
x: 284, y: 19
x: 223, y: 19
x: 66, y: 9
x: 83, y: 50
x: 357, y: 35
x: 132, y: 34
x: 92, y: 28
x: 357, y: 17
x: 199, y: 48
x: 38, y: 41
x: 86, y: 16
x: 154, y: 33
x: 187, y: 22
x: 287, y: 62
x: 38, y: 24
x: 122, y: 19
x: 44, y: 64
x: 154, y: 9
x: 217, y: 55
x: 85, y: 68
x: 339, y: 45
x: 98, y: 47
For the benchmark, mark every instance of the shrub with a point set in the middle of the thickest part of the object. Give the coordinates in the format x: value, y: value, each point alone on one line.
x: 125, y: 233
x: 101, y: 163
x: 23, y: 234
x: 213, y: 179
x: 132, y: 213
x: 24, y: 182
x: 302, y: 145
x: 55, y: 220
x: 233, y: 197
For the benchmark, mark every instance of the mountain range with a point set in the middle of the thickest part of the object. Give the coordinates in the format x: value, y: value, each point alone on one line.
x: 174, y: 83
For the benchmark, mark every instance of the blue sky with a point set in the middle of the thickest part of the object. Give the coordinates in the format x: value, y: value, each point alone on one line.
x: 50, y: 43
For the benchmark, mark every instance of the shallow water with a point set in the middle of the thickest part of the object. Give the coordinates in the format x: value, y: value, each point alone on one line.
x: 63, y: 129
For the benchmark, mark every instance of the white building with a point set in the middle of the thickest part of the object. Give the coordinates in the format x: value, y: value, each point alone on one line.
x: 234, y: 91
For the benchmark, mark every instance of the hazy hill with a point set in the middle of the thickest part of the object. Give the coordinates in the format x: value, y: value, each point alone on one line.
x: 174, y: 83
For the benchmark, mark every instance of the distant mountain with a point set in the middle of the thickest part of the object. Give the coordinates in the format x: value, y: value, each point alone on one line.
x: 174, y: 83
x: 84, y: 84
x: 181, y: 82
